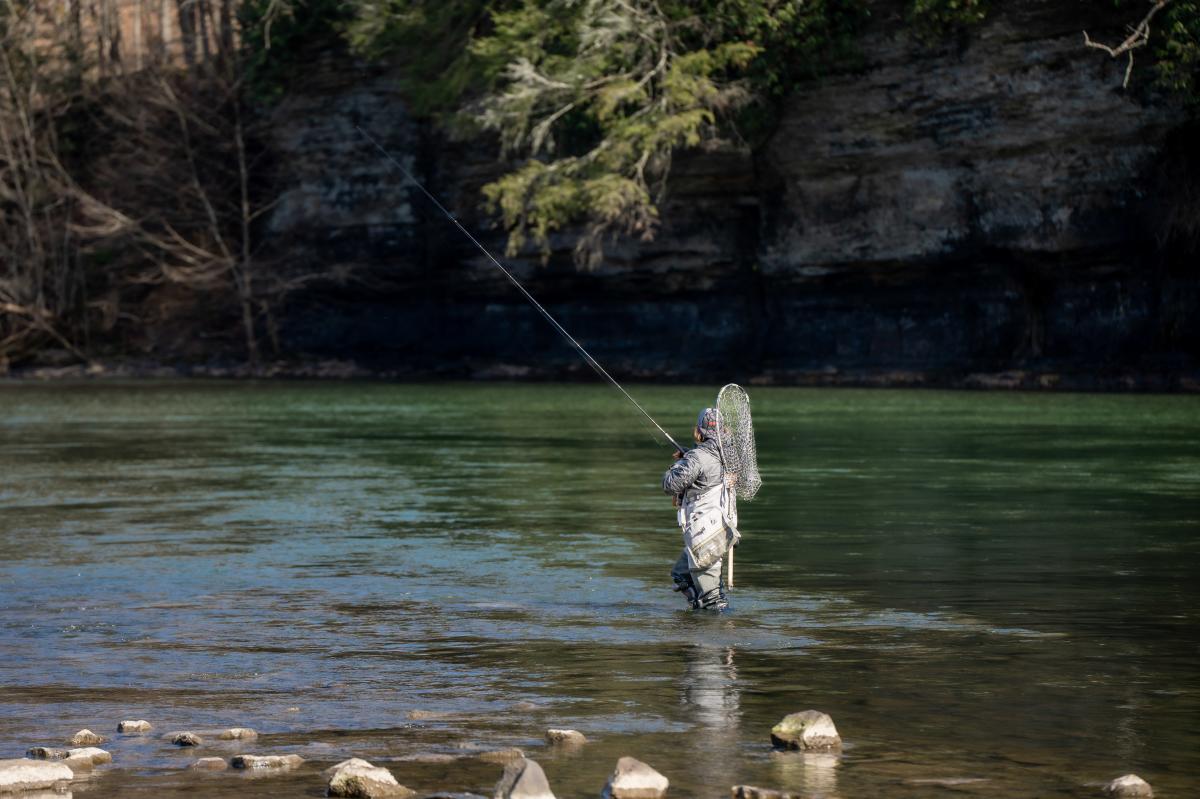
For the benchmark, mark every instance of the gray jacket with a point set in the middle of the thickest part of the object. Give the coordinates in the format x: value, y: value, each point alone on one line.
x: 698, y: 470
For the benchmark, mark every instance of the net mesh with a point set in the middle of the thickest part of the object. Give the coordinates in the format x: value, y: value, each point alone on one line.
x: 735, y: 436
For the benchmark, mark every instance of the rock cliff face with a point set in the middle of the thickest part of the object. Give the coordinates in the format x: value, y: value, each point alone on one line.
x: 932, y: 215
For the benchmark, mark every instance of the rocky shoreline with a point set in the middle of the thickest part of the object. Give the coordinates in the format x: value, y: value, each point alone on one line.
x: 49, y: 771
x: 1117, y: 380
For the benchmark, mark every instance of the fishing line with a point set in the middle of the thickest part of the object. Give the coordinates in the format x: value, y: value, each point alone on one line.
x: 587, y: 356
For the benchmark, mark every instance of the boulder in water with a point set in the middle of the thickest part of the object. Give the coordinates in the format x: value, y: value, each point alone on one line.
x: 565, y: 737
x: 131, y: 727
x: 79, y: 765
x: 237, y: 734
x: 209, y: 764
x: 808, y: 729
x: 186, y: 739
x: 1131, y: 786
x: 86, y: 738
x: 266, y: 761
x: 31, y: 775
x: 633, y: 779
x: 751, y: 792
x: 358, y: 778
x: 91, y: 752
x: 523, y: 779
x: 46, y: 753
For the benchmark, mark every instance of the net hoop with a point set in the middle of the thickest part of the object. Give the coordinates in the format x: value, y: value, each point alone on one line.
x: 735, y: 439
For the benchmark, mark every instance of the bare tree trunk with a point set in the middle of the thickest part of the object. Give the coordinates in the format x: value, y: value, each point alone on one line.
x: 202, y: 16
x: 245, y: 268
x: 187, y: 29
x: 138, y: 45
x: 227, y: 27
x: 164, y: 30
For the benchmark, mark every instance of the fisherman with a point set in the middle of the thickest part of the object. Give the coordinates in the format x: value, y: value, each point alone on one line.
x: 706, y: 513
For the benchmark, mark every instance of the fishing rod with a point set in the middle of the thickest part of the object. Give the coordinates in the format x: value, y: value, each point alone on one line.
x: 587, y: 356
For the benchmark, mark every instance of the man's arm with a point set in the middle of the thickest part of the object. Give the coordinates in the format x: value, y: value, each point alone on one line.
x: 682, y: 475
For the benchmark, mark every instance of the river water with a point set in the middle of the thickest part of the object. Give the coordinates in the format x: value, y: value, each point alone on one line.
x: 993, y: 595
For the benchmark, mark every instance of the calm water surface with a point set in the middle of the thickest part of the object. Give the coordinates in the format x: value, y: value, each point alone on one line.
x: 1000, y: 588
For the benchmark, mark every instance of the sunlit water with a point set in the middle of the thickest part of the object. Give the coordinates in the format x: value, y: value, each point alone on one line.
x: 999, y: 589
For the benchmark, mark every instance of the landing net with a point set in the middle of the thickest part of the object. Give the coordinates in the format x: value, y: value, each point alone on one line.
x: 735, y: 436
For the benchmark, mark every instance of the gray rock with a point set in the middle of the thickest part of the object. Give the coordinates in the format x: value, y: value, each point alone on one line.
x: 751, y: 792
x: 237, y: 734
x: 79, y: 765
x: 565, y: 737
x: 31, y: 775
x: 501, y: 757
x: 633, y: 779
x: 186, y: 739
x: 91, y: 752
x: 523, y: 779
x: 809, y: 729
x: 358, y: 778
x: 46, y: 753
x: 336, y: 767
x: 266, y: 761
x: 209, y: 764
x: 1128, y: 787
x: 86, y: 738
x: 130, y: 727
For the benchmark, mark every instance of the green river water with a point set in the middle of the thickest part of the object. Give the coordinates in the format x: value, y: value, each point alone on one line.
x: 993, y: 595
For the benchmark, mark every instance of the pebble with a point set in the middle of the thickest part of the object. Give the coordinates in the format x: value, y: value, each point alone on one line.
x: 86, y: 738
x: 1128, y: 787
x: 186, y: 739
x: 31, y: 775
x: 808, y: 729
x: 523, y: 779
x: 96, y: 755
x: 358, y: 778
x: 46, y: 753
x: 209, y: 764
x: 633, y: 779
x: 751, y: 792
x: 129, y: 727
x: 237, y: 734
x: 565, y: 737
x: 266, y: 761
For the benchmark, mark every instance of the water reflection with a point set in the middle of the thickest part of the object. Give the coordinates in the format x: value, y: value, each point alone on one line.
x: 712, y: 700
x: 813, y: 775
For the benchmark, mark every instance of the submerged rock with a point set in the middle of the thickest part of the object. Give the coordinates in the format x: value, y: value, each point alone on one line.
x: 266, y: 761
x: 565, y: 737
x: 523, y: 779
x: 209, y: 764
x: 31, y: 775
x: 86, y: 738
x: 751, y: 792
x: 96, y: 755
x: 500, y: 757
x: 808, y: 729
x: 237, y: 734
x: 358, y: 778
x: 186, y: 739
x: 1128, y: 787
x: 633, y: 779
x: 129, y: 727
x: 46, y: 753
